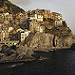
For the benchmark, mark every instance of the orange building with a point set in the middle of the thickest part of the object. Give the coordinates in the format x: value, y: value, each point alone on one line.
x: 50, y: 16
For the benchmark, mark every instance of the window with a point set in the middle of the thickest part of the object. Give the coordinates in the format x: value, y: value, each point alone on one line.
x: 22, y: 37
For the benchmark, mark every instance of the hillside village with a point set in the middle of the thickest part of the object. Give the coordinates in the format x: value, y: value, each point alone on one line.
x: 14, y: 27
x: 31, y: 21
x: 23, y: 32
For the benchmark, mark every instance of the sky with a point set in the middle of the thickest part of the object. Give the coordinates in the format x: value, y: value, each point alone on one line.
x: 65, y: 7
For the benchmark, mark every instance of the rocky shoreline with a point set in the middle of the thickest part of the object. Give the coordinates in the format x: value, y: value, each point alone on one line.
x: 23, y: 54
x: 15, y: 61
x: 36, y: 30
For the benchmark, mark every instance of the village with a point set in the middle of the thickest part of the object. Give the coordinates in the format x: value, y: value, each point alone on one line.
x: 22, y: 33
x: 16, y: 27
x: 36, y: 37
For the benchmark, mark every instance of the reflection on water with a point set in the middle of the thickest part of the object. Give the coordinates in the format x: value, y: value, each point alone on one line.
x: 61, y: 62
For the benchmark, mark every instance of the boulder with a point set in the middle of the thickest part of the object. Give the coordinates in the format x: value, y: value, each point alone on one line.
x: 73, y: 46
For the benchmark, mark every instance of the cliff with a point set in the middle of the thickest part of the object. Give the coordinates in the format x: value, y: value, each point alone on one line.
x: 9, y: 7
x: 56, y: 37
x: 51, y: 37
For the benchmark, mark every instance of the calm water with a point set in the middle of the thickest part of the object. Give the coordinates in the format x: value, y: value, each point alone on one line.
x: 61, y: 62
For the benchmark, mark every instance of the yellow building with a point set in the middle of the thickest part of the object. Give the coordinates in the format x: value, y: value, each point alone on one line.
x: 22, y: 36
x: 4, y: 35
x: 6, y: 16
x: 49, y: 15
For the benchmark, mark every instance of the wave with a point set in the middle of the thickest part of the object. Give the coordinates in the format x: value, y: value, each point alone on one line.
x: 15, y: 65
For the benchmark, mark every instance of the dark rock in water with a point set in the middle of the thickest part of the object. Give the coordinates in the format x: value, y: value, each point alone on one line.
x: 73, y: 46
x: 54, y: 50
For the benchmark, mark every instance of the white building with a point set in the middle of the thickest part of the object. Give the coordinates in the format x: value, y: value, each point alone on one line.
x: 24, y: 34
x: 27, y: 32
x: 41, y: 29
x: 58, y: 22
x: 39, y: 17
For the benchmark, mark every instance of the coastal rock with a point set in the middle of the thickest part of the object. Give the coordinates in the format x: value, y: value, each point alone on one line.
x: 11, y: 57
x: 9, y: 51
x: 73, y: 46
x: 50, y: 40
x: 1, y: 55
x: 24, y: 52
x: 41, y: 40
x: 63, y: 41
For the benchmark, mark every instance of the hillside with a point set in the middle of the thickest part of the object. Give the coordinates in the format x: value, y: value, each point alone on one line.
x: 58, y: 37
x: 8, y: 6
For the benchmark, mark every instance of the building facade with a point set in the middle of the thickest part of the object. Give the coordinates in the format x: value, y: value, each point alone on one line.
x: 58, y: 18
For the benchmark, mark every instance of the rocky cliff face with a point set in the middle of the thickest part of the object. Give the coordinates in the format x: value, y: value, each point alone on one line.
x: 10, y: 54
x: 59, y: 37
x: 8, y: 6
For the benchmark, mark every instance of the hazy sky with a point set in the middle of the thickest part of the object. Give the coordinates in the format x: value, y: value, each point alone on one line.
x: 65, y: 7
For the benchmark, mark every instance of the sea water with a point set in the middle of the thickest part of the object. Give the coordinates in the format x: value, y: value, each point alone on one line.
x: 61, y: 62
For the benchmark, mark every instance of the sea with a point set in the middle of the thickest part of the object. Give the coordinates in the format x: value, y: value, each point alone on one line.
x: 60, y: 62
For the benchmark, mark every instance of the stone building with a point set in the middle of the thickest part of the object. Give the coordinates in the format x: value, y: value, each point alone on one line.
x: 4, y: 35
x: 33, y: 26
x: 22, y: 35
x: 39, y: 17
x: 58, y: 18
x: 36, y: 26
x: 20, y: 16
x: 49, y: 15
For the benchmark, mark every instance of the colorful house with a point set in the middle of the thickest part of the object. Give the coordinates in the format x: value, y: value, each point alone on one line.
x: 58, y: 18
